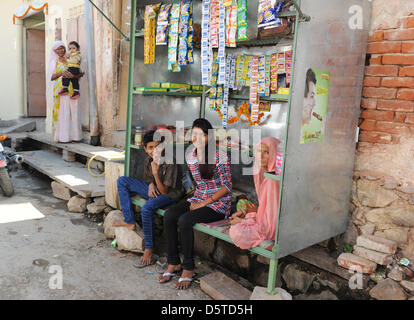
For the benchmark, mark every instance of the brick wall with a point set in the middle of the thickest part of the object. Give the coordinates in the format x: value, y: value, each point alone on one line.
x: 382, y: 200
x: 388, y: 94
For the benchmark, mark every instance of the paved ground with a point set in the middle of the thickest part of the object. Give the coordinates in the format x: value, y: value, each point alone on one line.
x: 91, y: 269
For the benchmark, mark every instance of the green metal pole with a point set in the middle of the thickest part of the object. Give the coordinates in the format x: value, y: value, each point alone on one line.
x: 130, y: 87
x: 271, y: 284
x: 203, y: 103
x: 109, y: 20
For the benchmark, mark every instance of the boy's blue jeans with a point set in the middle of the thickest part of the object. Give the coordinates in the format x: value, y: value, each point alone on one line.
x: 126, y: 186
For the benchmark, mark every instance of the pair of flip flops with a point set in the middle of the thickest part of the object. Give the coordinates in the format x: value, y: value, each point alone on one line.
x: 181, y: 279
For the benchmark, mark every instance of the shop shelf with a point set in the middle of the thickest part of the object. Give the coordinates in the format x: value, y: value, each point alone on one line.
x: 168, y: 93
x: 273, y: 97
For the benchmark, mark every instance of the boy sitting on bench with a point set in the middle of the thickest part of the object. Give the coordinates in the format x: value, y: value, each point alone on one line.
x: 161, y: 186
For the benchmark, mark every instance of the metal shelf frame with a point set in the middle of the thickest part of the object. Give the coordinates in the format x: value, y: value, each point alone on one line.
x: 300, y: 17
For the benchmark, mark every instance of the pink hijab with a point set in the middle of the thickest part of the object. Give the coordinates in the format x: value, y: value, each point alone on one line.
x: 250, y: 233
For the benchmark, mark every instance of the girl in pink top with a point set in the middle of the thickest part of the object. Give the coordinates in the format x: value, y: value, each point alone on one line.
x: 249, y: 228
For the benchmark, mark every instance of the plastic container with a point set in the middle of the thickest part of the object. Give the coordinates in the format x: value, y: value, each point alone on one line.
x: 139, y: 135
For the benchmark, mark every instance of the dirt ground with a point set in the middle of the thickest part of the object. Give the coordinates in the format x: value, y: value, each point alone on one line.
x: 37, y: 250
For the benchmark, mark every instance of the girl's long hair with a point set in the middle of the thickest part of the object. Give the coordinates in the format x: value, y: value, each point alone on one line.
x: 206, y: 167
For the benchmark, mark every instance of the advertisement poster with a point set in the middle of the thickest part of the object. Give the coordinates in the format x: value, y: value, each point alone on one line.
x: 315, y: 105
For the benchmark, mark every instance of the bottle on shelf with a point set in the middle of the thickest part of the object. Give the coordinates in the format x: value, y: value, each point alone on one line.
x: 139, y: 135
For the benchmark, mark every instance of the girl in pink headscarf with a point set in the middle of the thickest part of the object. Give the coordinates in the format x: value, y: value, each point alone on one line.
x: 253, y: 226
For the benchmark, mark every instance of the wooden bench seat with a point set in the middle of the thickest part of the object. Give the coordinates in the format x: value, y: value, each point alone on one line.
x: 218, y: 229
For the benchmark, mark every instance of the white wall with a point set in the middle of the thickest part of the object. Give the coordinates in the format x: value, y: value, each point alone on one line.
x: 11, y: 63
x: 11, y: 55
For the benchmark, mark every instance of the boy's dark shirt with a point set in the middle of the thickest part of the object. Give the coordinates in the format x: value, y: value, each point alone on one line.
x: 170, y: 175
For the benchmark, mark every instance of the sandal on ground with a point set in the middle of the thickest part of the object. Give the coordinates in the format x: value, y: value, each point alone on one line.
x: 186, y: 279
x: 168, y: 274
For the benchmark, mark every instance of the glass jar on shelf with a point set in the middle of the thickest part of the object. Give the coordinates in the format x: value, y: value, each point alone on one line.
x: 139, y: 136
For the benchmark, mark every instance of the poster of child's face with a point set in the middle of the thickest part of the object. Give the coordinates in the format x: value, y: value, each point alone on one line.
x: 315, y: 105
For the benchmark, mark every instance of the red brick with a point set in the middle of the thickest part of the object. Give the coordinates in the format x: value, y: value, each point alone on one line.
x: 406, y: 71
x: 393, y: 128
x: 355, y: 263
x: 375, y: 137
x: 405, y: 94
x: 369, y: 103
x: 377, y: 243
x: 376, y: 36
x: 400, y: 59
x: 407, y: 34
x: 409, y: 119
x: 395, y: 105
x: 364, y: 147
x: 372, y: 255
x: 368, y: 125
x: 384, y: 93
x: 407, y: 47
x: 400, y: 117
x: 385, y: 71
x: 375, y: 60
x: 407, y: 22
x: 378, y: 115
x: 372, y: 81
x: 384, y: 47
x: 395, y: 82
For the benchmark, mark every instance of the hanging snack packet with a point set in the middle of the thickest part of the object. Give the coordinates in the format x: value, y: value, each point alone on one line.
x: 268, y: 13
x: 173, y: 36
x: 162, y: 25
x: 267, y: 75
x: 262, y: 75
x: 231, y: 24
x: 206, y: 57
x: 183, y: 33
x: 273, y: 71
x: 233, y: 72
x: 239, y: 69
x: 242, y: 20
x: 190, y: 38
x: 214, y: 29
x: 222, y: 44
x: 227, y: 3
x: 254, y: 101
x: 149, y: 35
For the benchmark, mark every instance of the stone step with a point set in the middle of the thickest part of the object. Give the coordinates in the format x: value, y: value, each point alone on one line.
x: 378, y: 257
x: 220, y: 287
x: 72, y: 175
x: 103, y: 154
x: 377, y: 244
x: 355, y: 263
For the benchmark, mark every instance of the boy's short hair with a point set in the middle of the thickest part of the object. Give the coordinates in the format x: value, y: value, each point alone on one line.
x: 74, y: 43
x: 149, y: 137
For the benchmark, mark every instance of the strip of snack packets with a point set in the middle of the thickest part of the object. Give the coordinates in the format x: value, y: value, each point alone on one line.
x: 242, y: 20
x: 162, y: 25
x: 149, y: 35
x: 173, y: 37
x: 206, y: 58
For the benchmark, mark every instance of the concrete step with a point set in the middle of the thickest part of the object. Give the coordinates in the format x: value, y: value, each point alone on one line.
x: 18, y: 127
x: 220, y: 287
x: 103, y: 154
x: 72, y: 175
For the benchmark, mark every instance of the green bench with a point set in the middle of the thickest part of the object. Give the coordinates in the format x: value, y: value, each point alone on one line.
x: 266, y: 248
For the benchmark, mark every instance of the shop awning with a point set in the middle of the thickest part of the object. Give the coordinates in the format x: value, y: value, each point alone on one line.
x: 30, y: 9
